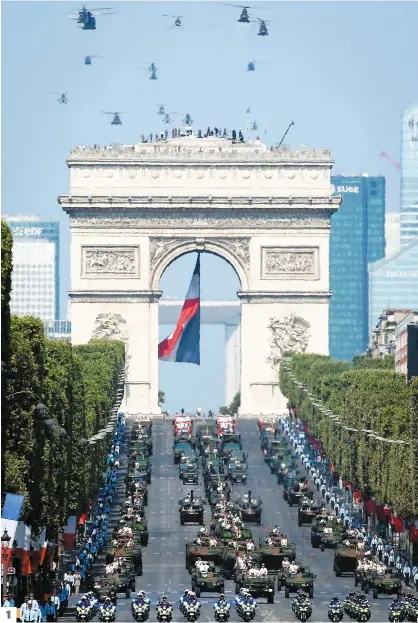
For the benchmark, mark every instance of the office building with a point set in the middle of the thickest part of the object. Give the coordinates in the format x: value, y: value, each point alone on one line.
x: 35, y: 277
x: 409, y: 175
x: 392, y: 233
x: 393, y: 283
x: 406, y: 350
x: 383, y: 337
x: 357, y: 238
x: 58, y: 329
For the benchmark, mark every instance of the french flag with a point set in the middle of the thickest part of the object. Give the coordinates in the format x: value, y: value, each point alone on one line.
x: 69, y: 533
x: 39, y: 546
x: 10, y: 515
x: 184, y: 344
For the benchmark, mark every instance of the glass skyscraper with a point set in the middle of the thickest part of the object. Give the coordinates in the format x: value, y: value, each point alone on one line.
x: 409, y: 175
x: 357, y: 239
x: 35, y: 276
x: 393, y: 283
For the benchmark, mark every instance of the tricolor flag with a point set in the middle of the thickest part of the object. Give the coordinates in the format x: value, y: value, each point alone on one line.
x: 39, y: 546
x: 69, y: 533
x: 23, y: 543
x: 10, y: 518
x: 184, y: 344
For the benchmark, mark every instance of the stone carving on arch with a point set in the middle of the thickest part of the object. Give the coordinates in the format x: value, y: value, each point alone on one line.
x: 164, y: 250
x: 290, y: 334
x: 112, y: 327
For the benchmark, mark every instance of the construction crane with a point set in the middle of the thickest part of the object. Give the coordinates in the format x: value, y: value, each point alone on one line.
x: 395, y: 164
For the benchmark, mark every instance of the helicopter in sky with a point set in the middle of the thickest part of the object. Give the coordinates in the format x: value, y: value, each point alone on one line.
x: 251, y: 65
x: 116, y: 117
x: 87, y: 18
x: 244, y: 18
x: 248, y: 110
x: 87, y: 59
x: 177, y: 18
x: 152, y: 68
x: 263, y: 32
x: 161, y: 109
x: 167, y: 119
x: 62, y: 99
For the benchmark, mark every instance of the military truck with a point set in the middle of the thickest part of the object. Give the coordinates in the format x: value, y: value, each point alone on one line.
x: 203, y: 551
x: 273, y: 555
x: 303, y: 580
x: 259, y: 586
x: 345, y: 559
x: 191, y: 512
x: 210, y: 582
x: 307, y: 511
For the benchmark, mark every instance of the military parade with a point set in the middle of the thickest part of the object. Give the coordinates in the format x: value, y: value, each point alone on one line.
x: 242, y: 559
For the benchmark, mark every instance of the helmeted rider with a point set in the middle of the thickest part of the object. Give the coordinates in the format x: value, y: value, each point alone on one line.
x: 107, y: 604
x: 163, y: 602
x: 335, y: 603
x: 221, y: 602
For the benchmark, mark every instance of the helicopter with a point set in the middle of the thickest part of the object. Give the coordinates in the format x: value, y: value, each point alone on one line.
x: 251, y: 65
x: 248, y: 110
x: 152, y: 68
x: 161, y: 109
x: 87, y: 18
x: 177, y: 19
x: 116, y: 117
x: 87, y: 59
x: 263, y: 32
x: 63, y: 99
x: 167, y: 118
x: 244, y: 18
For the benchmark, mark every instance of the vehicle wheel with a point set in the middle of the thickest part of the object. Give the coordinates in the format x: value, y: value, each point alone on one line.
x: 222, y: 589
x: 366, y: 588
x: 237, y: 588
x: 181, y: 521
x: 286, y: 592
x: 375, y: 593
x: 128, y: 593
x: 311, y: 591
x: 355, y: 582
x: 270, y: 598
x: 299, y: 522
x: 338, y: 572
x: 322, y: 547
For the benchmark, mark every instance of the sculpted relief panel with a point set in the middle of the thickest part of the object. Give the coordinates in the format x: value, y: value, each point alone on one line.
x: 105, y: 262
x: 240, y: 247
x: 290, y: 263
x: 290, y: 334
x: 112, y: 327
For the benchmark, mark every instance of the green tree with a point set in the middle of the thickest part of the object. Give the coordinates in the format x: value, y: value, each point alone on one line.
x: 364, y: 361
x: 233, y: 407
x: 6, y: 286
x: 161, y: 397
x: 365, y: 399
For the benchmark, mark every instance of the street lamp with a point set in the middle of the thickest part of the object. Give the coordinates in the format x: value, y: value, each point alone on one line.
x: 5, y: 540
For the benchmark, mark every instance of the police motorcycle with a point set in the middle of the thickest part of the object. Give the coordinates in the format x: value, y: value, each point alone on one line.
x: 357, y: 607
x: 302, y: 607
x: 397, y: 612
x: 410, y: 606
x: 245, y: 605
x: 222, y: 609
x: 140, y: 607
x: 335, y: 611
x: 107, y: 611
x: 94, y: 603
x: 83, y: 610
x: 191, y: 607
x: 164, y: 610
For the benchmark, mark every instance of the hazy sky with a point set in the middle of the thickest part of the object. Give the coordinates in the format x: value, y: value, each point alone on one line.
x: 343, y: 71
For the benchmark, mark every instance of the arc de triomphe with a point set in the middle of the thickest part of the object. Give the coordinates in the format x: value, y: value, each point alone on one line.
x: 135, y: 209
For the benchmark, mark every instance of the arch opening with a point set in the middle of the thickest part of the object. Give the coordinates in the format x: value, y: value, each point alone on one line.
x: 216, y: 381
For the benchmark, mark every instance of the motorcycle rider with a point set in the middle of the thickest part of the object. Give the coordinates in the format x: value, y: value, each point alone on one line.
x: 105, y: 607
x: 163, y: 602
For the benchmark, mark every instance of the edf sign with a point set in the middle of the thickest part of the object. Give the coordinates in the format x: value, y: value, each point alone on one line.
x: 347, y: 189
x: 27, y: 231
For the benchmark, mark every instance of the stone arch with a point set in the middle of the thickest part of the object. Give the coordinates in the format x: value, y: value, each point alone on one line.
x: 177, y: 248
